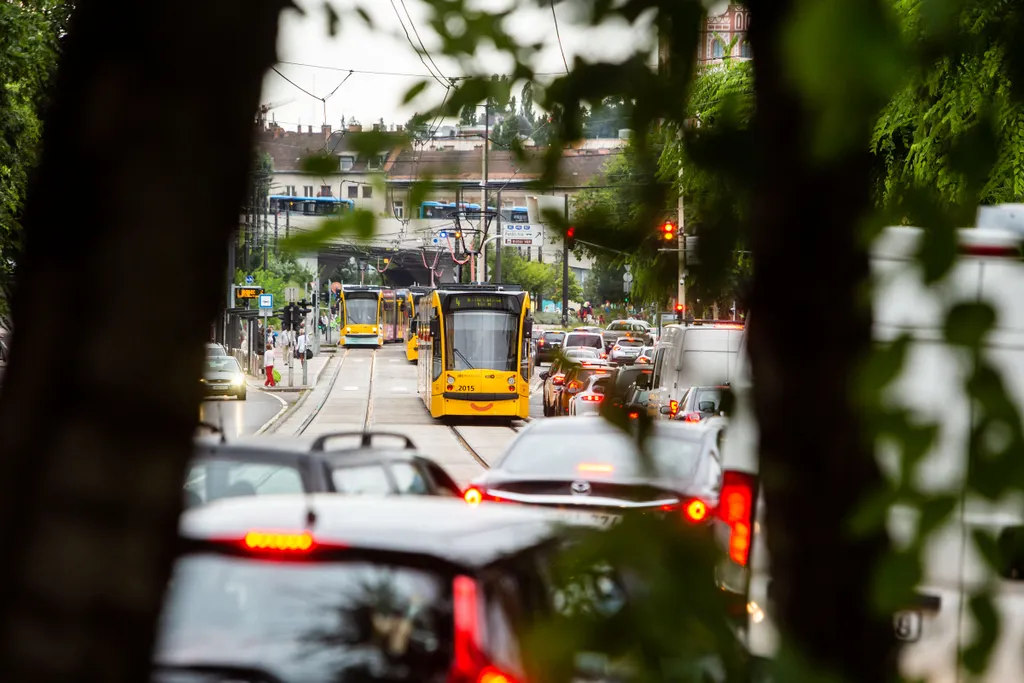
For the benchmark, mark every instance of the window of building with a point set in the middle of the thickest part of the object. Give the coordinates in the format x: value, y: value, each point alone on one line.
x: 375, y: 162
x: 367, y: 192
x: 353, y: 191
x: 717, y: 49
x: 325, y: 191
x: 347, y: 163
x: 745, y: 51
x: 398, y: 209
x: 307, y: 190
x: 289, y: 190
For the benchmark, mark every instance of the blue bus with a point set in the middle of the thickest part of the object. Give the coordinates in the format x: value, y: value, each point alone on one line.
x: 311, y: 206
x: 442, y: 210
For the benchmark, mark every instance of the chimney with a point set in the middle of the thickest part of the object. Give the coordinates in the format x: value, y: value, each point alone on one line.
x: 278, y: 131
x: 376, y: 127
x: 355, y: 128
x: 398, y: 128
x: 326, y: 130
x: 310, y: 129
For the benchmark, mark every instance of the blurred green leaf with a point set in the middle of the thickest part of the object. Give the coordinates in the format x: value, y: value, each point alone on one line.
x: 988, y: 548
x: 935, y: 511
x: 938, y: 250
x: 414, y: 92
x: 421, y: 190
x: 883, y: 365
x: 976, y: 655
x: 371, y: 143
x: 872, y: 513
x: 895, y: 578
x: 333, y: 20
x: 320, y: 163
x: 968, y: 322
x: 359, y: 222
x: 365, y: 16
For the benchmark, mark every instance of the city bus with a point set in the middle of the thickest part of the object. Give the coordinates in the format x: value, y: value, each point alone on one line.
x: 475, y: 357
x: 310, y: 206
x: 361, y: 315
x: 414, y: 296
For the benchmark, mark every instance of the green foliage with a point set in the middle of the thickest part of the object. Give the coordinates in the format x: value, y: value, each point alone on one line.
x: 542, y: 280
x: 281, y: 272
x: 31, y: 33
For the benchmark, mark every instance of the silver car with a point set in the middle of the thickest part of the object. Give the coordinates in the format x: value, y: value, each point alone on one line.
x: 589, y: 399
x: 223, y: 377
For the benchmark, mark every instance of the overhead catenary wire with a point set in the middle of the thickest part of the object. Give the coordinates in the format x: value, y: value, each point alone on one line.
x: 558, y: 36
x: 412, y: 25
x: 439, y: 77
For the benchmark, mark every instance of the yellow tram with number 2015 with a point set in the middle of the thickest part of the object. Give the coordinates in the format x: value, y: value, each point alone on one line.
x: 474, y: 351
x: 362, y: 321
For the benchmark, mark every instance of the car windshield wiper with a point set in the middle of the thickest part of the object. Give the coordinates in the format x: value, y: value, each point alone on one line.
x: 464, y: 359
x: 223, y: 671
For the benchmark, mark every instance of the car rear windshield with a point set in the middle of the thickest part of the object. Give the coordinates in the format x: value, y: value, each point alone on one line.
x: 221, y: 364
x: 583, y: 374
x: 209, y: 479
x: 599, y: 452
x: 626, y: 377
x: 629, y: 341
x: 709, y: 400
x: 553, y: 336
x: 584, y: 339
x: 625, y: 327
x: 308, y: 621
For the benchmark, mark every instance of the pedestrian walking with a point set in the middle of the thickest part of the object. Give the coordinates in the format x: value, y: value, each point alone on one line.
x: 302, y: 345
x: 268, y: 364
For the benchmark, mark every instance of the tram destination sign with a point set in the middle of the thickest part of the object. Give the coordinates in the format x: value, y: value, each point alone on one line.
x: 248, y: 292
x: 489, y: 302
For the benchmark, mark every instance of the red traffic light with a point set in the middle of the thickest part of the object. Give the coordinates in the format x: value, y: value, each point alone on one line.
x: 571, y: 232
x: 668, y: 230
x: 679, y: 307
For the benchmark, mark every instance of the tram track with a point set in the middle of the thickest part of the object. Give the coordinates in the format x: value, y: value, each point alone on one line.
x: 330, y: 387
x: 467, y: 447
x: 368, y: 417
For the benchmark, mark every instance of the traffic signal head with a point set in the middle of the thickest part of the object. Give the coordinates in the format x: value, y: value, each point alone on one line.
x: 668, y: 230
x: 679, y: 308
x: 570, y: 237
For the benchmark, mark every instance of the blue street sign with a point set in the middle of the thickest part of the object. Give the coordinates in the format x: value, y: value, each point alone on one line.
x: 249, y: 279
x: 266, y: 300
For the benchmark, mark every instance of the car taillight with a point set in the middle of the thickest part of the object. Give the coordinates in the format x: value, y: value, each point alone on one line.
x: 276, y: 541
x: 736, y: 509
x: 633, y: 416
x: 473, y: 495
x: 673, y: 408
x: 690, y: 417
x: 695, y: 511
x: 469, y: 662
x: 558, y: 380
x: 604, y: 355
x: 616, y: 348
x: 591, y: 398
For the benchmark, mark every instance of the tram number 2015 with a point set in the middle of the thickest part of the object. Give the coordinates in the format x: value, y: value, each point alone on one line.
x: 466, y: 387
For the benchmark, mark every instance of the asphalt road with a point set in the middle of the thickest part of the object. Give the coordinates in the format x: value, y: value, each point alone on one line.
x: 244, y: 417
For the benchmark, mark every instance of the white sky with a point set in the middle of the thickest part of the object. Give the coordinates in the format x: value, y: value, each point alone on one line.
x: 304, y: 39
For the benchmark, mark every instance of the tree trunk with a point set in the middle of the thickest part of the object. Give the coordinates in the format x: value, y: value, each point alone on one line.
x: 147, y: 149
x: 816, y: 460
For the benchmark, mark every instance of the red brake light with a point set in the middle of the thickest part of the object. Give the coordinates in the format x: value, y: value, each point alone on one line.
x: 691, y: 417
x: 592, y: 398
x: 634, y: 416
x: 695, y: 510
x: 558, y: 380
x: 469, y: 662
x: 473, y: 495
x: 270, y: 540
x: 990, y: 250
x: 736, y: 508
x: 673, y: 408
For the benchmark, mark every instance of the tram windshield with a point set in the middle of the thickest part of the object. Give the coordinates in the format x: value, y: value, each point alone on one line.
x: 482, y: 340
x: 361, y: 311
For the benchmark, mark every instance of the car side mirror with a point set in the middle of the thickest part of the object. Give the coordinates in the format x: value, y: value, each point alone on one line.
x: 527, y: 328
x: 665, y: 410
x: 643, y: 382
x: 544, y: 375
x: 435, y: 329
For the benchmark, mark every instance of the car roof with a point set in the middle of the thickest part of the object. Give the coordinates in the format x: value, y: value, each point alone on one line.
x: 293, y: 450
x: 444, y: 528
x: 570, y: 426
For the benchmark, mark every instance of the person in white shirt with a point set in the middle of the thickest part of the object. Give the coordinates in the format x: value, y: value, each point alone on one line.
x: 300, y: 344
x: 268, y: 363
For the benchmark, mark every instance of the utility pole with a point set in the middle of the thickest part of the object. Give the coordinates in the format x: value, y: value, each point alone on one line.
x: 497, y: 242
x: 565, y: 270
x: 232, y: 246
x: 483, y: 186
x: 276, y: 237
x: 664, y: 63
x: 266, y: 230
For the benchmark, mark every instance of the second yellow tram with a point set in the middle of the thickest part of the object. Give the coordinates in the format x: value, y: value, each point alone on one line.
x: 361, y: 310
x: 474, y: 351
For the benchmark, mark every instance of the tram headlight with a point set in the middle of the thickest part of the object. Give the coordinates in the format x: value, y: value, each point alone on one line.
x: 511, y: 381
x: 451, y: 379
x: 348, y: 329
x: 374, y: 329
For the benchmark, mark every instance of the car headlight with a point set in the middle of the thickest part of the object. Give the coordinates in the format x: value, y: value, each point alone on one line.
x: 239, y: 380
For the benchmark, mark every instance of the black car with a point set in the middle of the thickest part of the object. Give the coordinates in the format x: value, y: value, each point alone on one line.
x: 700, y: 403
x: 296, y: 589
x: 228, y: 470
x: 554, y: 383
x: 548, y: 346
x: 592, y: 470
x: 626, y: 380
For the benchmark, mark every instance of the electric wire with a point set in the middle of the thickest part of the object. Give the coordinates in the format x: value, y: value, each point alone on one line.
x: 438, y: 76
x: 558, y: 35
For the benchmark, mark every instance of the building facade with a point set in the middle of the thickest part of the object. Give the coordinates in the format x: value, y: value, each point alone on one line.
x: 725, y: 36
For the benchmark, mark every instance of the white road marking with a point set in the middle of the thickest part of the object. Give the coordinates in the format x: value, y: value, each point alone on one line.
x: 350, y: 388
x: 268, y: 423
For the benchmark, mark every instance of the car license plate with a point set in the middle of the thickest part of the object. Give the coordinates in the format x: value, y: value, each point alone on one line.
x: 600, y: 519
x: 220, y: 387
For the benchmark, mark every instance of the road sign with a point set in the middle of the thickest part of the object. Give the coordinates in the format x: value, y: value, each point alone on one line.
x: 249, y: 279
x: 627, y: 277
x: 627, y: 286
x: 247, y: 292
x: 291, y: 294
x: 266, y: 300
x: 523, y: 234
x: 267, y: 312
x: 626, y: 266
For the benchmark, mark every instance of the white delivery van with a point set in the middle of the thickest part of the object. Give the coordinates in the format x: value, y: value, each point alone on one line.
x: 700, y: 353
x: 939, y: 626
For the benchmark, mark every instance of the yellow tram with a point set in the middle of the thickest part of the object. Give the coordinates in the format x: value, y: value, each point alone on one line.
x: 362, y: 316
x: 474, y: 351
x: 396, y: 314
x: 414, y: 296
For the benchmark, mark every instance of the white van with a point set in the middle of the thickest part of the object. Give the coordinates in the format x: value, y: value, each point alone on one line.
x: 937, y: 629
x: 690, y: 355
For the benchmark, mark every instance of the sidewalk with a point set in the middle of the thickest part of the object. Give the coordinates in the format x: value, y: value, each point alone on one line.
x: 314, y: 368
